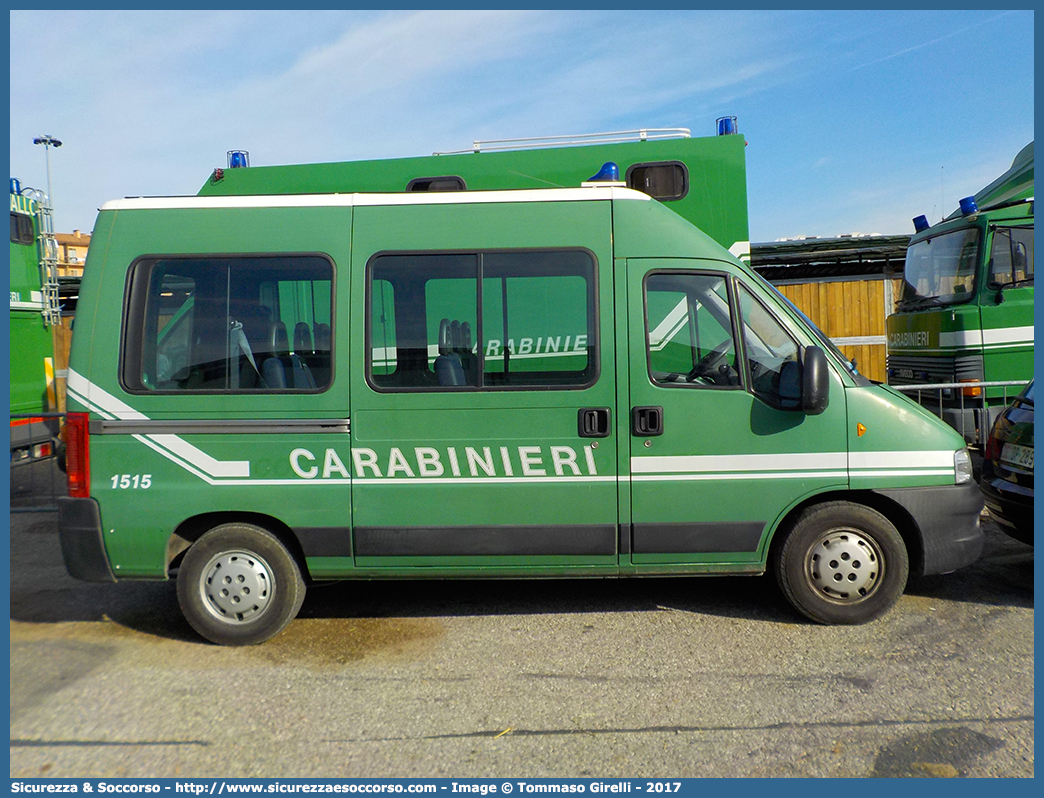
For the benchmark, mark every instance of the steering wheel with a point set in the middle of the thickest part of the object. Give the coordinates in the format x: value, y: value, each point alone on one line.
x: 709, y: 365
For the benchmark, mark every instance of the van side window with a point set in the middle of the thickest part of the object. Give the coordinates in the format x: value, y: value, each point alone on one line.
x: 21, y: 229
x: 664, y: 181
x: 484, y: 320
x: 1011, y: 260
x: 689, y: 330
x: 769, y: 349
x: 229, y: 325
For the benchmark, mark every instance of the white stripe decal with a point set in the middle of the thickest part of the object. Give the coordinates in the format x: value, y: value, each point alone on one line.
x: 805, y: 465
x: 1008, y: 335
x: 960, y: 338
x: 364, y: 200
x: 747, y: 475
x: 909, y: 472
x: 718, y: 464
x: 858, y: 461
x: 173, y: 447
x: 1001, y: 336
x: 475, y: 481
x: 104, y: 399
x: 216, y: 468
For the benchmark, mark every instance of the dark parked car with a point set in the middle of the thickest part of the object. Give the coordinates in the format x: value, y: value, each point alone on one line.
x: 1007, y: 469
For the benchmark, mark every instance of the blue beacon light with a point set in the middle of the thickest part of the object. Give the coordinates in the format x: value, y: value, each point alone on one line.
x: 727, y: 126
x: 609, y: 172
x: 968, y: 206
x: 238, y: 159
x: 920, y: 223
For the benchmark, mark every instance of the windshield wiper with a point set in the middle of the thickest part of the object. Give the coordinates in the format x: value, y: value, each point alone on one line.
x: 921, y: 301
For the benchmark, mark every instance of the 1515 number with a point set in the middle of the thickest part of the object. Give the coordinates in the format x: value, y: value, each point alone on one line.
x: 131, y: 481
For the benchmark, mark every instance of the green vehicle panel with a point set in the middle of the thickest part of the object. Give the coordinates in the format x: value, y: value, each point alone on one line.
x: 31, y: 345
x: 529, y: 384
x: 702, y: 179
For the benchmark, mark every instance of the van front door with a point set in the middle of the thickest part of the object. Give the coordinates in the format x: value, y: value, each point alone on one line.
x: 719, y: 448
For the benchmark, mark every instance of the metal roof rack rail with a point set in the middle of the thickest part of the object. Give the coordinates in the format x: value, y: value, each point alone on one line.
x: 536, y: 142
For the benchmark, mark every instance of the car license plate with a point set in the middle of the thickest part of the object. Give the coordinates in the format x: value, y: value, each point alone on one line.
x: 1017, y: 455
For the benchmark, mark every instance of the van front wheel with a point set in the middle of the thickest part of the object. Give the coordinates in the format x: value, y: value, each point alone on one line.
x: 239, y: 586
x: 842, y: 563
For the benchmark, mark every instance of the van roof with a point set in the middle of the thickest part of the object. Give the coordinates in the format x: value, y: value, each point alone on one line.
x: 362, y: 200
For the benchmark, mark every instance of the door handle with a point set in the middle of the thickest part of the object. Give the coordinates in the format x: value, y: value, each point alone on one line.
x: 593, y: 422
x: 647, y: 421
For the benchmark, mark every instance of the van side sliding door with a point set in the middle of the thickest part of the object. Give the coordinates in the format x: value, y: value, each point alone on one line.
x: 483, y: 383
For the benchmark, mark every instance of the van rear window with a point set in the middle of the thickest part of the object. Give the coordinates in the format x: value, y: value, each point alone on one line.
x: 228, y: 325
x: 485, y: 320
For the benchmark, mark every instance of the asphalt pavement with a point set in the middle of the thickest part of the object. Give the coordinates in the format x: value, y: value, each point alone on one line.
x: 673, y: 677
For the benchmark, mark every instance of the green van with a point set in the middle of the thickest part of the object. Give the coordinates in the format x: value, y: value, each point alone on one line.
x: 271, y: 391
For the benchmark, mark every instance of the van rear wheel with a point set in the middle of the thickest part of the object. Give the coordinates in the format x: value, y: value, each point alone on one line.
x: 842, y: 563
x: 239, y: 586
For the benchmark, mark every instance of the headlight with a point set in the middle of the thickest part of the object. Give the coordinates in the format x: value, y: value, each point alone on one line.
x: 962, y: 466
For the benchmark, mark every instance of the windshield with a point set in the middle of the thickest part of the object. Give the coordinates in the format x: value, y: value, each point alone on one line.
x: 941, y: 270
x: 1027, y: 395
x: 826, y: 343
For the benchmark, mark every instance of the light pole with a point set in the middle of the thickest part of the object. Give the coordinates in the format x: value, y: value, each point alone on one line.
x: 48, y: 142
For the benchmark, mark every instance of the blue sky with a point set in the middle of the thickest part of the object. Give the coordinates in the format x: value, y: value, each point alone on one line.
x: 855, y: 121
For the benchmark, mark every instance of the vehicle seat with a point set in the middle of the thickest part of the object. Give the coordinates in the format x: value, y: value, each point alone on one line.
x: 319, y: 362
x: 448, y: 368
x: 273, y: 369
x: 302, y: 339
x: 282, y: 369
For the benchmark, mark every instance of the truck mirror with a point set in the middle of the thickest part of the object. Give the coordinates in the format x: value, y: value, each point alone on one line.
x: 815, y: 383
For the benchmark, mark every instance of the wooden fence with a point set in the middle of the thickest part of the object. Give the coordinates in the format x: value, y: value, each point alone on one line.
x: 852, y: 313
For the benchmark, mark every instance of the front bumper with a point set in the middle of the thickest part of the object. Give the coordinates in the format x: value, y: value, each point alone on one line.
x: 947, y: 518
x: 82, y: 539
x: 1010, y: 506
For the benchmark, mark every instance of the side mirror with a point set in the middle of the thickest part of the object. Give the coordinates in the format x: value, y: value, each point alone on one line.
x: 815, y: 383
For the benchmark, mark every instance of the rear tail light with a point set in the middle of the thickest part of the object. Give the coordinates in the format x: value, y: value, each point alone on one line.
x: 994, y: 444
x: 78, y: 455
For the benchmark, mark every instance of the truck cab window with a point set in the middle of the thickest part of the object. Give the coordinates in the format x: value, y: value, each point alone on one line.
x: 689, y: 330
x: 1011, y: 258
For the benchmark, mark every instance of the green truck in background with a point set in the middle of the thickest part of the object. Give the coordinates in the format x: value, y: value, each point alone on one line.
x: 965, y: 314
x: 702, y: 179
x: 34, y: 308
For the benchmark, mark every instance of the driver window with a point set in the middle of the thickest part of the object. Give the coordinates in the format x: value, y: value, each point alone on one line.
x: 1011, y: 260
x: 689, y: 330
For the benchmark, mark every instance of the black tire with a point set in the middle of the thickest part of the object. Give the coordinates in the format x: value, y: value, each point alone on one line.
x: 239, y: 586
x: 842, y: 563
